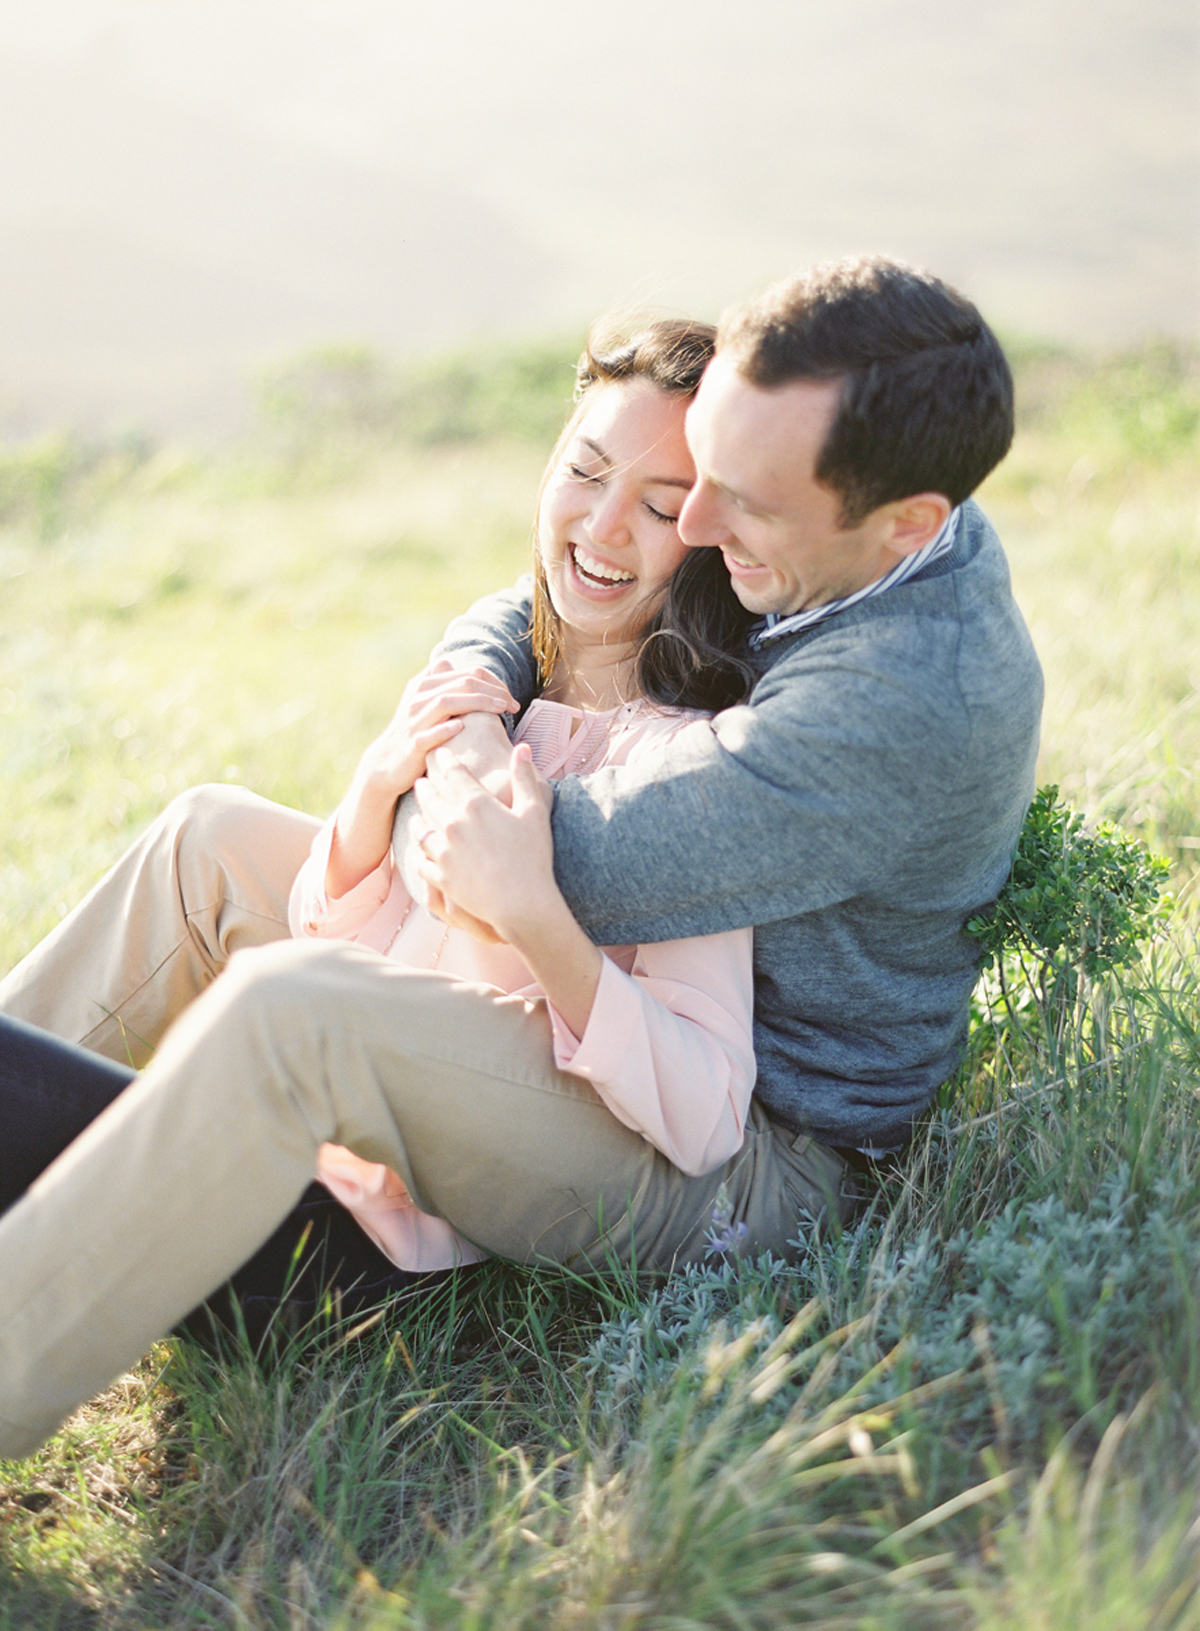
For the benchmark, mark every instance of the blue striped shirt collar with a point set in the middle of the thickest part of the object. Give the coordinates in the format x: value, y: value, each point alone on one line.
x: 775, y: 624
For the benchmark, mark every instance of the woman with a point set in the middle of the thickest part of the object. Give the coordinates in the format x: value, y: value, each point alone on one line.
x: 622, y: 641
x: 520, y: 1118
x: 615, y: 661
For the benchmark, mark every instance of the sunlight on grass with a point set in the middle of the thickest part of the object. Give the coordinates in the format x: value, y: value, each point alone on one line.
x: 209, y: 632
x: 1099, y: 508
x: 977, y: 1407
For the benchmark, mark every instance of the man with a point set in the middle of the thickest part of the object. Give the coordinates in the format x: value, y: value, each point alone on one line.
x: 858, y: 807
x: 867, y: 799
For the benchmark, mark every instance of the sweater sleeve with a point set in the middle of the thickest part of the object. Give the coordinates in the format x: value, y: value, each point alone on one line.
x: 798, y: 800
x: 494, y: 634
x: 668, y: 1046
x: 779, y: 806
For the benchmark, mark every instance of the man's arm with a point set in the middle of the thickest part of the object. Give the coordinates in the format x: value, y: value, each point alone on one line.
x: 699, y: 838
x: 780, y: 806
x: 827, y: 787
x: 727, y: 826
x: 494, y: 634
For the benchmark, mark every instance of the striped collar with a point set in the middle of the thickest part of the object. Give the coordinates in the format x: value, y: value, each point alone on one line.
x: 775, y: 625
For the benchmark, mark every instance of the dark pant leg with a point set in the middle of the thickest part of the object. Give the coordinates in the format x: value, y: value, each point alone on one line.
x: 51, y: 1090
x: 317, y: 1258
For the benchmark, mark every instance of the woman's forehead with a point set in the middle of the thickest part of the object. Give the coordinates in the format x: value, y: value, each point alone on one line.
x: 634, y: 420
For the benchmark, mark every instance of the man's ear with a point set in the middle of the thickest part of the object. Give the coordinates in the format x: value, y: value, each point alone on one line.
x: 916, y: 521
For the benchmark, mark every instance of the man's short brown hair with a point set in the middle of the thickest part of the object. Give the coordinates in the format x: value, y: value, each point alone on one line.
x: 927, y: 395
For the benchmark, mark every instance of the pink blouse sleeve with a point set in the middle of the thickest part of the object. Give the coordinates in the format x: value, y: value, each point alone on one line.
x: 312, y: 912
x: 669, y: 1046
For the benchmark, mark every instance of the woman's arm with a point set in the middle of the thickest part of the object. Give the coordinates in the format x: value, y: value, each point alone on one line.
x: 312, y: 911
x: 430, y: 712
x: 669, y: 1046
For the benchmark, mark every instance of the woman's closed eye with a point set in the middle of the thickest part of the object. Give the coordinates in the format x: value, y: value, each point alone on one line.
x: 596, y: 478
x: 591, y: 467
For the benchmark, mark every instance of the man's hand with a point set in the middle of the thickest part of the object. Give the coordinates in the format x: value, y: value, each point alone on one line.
x: 489, y: 865
x: 482, y: 745
x: 489, y: 859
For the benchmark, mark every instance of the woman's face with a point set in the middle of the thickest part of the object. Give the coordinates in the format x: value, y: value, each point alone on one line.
x: 607, y: 532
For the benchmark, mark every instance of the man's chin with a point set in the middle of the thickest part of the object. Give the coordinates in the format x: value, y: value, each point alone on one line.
x: 750, y: 600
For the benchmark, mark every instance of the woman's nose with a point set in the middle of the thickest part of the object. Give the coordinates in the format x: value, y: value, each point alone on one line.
x: 609, y: 520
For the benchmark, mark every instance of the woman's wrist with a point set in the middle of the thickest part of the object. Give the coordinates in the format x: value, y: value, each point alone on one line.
x: 362, y: 833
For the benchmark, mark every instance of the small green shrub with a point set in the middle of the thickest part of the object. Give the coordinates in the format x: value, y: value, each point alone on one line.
x: 1077, y: 905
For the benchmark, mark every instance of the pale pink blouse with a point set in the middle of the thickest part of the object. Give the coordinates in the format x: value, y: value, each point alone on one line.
x: 668, y: 1045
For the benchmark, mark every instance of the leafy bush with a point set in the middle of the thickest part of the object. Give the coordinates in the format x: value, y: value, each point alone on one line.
x: 1077, y: 904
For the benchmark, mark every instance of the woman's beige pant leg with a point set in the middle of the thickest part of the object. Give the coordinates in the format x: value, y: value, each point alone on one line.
x: 453, y: 1085
x: 210, y: 876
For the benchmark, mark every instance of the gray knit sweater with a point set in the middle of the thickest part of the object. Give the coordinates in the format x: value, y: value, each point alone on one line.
x: 859, y: 807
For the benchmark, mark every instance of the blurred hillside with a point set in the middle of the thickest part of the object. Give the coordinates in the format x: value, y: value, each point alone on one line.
x: 195, y: 187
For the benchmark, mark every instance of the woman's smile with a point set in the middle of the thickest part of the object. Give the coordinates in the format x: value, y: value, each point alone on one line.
x: 607, y: 533
x: 597, y: 573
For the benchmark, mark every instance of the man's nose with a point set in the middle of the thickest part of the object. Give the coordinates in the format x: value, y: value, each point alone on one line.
x: 698, y: 522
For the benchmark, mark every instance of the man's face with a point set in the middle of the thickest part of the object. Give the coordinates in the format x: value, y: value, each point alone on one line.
x: 758, y: 501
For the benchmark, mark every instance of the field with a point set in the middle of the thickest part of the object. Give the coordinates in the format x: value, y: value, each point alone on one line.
x: 978, y: 1408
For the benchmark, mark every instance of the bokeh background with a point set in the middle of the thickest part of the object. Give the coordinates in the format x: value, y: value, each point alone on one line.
x: 191, y: 188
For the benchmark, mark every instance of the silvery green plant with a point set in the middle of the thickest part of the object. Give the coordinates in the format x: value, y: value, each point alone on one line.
x: 1042, y: 1311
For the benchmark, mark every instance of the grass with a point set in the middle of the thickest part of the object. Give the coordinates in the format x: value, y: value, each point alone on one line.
x: 980, y: 1407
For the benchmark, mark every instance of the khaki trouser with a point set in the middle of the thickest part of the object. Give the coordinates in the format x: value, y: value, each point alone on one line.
x: 452, y: 1084
x: 212, y: 875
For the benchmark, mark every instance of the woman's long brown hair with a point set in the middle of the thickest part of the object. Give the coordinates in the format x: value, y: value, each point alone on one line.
x: 691, y: 652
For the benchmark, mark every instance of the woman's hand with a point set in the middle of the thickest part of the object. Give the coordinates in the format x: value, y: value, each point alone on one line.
x: 489, y: 867
x: 430, y: 712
